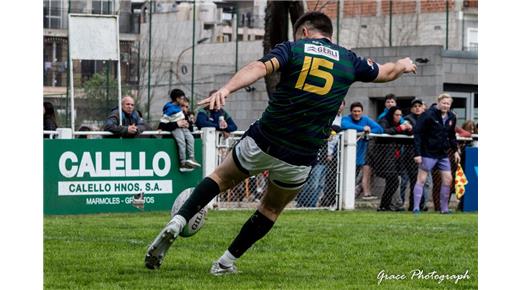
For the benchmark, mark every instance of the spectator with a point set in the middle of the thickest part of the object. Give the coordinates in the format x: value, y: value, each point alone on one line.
x: 49, y: 118
x: 361, y: 123
x: 175, y: 119
x: 390, y: 164
x: 434, y: 135
x: 390, y: 101
x: 467, y: 129
x: 331, y: 161
x: 459, y: 132
x: 84, y: 128
x: 218, y: 119
x: 132, y: 124
x: 308, y: 196
x: 409, y: 170
x: 469, y: 126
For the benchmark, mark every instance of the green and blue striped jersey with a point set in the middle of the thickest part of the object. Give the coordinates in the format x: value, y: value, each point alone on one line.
x: 315, y: 77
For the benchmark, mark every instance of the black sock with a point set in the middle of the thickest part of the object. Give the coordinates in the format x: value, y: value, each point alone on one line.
x: 200, y: 197
x: 255, y: 228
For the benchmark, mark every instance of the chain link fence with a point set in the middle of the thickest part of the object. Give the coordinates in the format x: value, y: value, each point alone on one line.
x: 389, y: 173
x: 385, y: 178
x: 320, y: 191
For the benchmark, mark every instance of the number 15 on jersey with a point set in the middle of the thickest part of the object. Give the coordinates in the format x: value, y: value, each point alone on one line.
x: 311, y: 66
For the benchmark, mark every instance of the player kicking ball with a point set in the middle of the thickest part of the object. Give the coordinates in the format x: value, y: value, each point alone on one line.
x: 315, y: 77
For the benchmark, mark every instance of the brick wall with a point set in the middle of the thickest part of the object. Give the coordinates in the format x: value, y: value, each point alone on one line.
x: 327, y: 7
x: 353, y: 8
x: 471, y: 3
x: 360, y: 8
x: 429, y: 6
x: 399, y: 7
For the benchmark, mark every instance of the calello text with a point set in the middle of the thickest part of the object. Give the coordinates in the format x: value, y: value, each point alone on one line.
x: 120, y: 165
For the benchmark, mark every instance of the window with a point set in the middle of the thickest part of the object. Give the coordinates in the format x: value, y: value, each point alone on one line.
x: 465, y: 105
x: 102, y: 7
x: 53, y: 14
x: 472, y: 40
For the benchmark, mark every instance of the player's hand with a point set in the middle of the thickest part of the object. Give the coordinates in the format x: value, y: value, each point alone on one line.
x: 418, y: 159
x: 408, y: 64
x: 216, y: 100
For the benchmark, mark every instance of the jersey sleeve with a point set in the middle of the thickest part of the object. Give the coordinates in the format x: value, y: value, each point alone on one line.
x: 366, y: 70
x: 278, y: 57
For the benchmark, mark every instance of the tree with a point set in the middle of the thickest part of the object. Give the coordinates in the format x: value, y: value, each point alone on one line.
x: 100, y: 98
x: 277, y: 30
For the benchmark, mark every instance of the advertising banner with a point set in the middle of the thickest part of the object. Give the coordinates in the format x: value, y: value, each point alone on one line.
x: 102, y: 175
x: 471, y: 170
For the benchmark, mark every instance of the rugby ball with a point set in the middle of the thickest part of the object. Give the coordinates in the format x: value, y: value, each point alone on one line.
x: 196, y: 222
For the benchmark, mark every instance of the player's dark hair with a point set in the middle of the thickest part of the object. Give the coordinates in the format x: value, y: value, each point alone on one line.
x: 356, y: 105
x: 317, y: 20
x: 390, y: 97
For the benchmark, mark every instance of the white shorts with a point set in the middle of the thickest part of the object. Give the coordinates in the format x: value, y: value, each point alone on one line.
x: 252, y: 160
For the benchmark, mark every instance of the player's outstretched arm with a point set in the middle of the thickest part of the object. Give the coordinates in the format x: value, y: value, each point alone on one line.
x: 393, y: 70
x: 243, y: 78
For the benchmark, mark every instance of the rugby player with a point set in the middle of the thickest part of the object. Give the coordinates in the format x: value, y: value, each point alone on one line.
x: 315, y: 77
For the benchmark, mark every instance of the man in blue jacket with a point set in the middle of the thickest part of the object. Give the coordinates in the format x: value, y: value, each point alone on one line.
x: 218, y: 119
x: 434, y: 135
x: 361, y: 123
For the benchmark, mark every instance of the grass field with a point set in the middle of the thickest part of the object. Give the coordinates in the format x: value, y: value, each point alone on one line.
x: 304, y: 250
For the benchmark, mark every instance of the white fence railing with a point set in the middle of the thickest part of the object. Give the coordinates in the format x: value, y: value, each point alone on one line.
x: 334, y: 188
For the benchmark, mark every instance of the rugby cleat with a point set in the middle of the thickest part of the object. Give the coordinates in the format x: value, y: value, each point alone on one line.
x: 138, y: 201
x: 157, y: 250
x: 218, y: 269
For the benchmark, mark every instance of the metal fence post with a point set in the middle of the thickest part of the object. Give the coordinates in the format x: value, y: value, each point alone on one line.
x: 65, y: 133
x: 348, y: 190
x: 209, y: 153
x: 209, y: 150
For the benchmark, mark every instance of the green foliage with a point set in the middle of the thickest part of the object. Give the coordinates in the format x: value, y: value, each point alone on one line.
x: 304, y: 250
x: 100, y: 97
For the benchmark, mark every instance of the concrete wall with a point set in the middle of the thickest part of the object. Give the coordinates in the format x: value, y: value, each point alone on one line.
x: 442, y: 67
x: 245, y: 107
x: 215, y: 62
x: 214, y: 66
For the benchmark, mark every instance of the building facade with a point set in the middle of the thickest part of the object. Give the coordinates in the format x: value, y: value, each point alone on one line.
x: 198, y: 53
